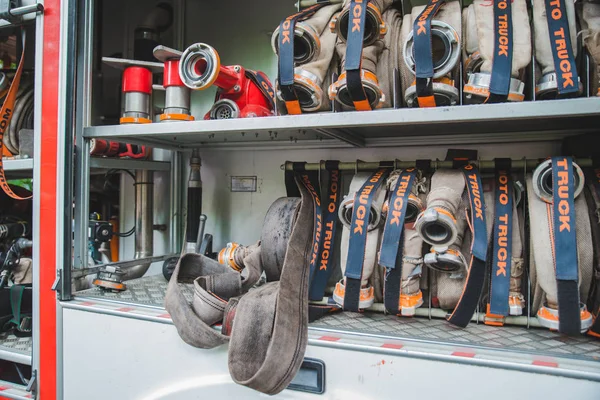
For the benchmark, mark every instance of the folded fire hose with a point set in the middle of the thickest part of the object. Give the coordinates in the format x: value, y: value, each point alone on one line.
x: 555, y: 40
x: 431, y: 42
x: 497, y: 47
x: 366, y: 79
x: 592, y: 194
x: 561, y: 278
x: 441, y: 225
x: 505, y: 230
x: 360, y: 214
x: 304, y: 83
x: 411, y: 296
x: 589, y: 18
x: 271, y: 319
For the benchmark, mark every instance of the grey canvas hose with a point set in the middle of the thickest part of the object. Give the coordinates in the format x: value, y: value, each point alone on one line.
x: 545, y: 71
x: 375, y: 26
x: 267, y: 327
x: 545, y: 290
x: 479, y: 47
x: 446, y: 43
x: 308, y: 34
x: 310, y: 79
x: 516, y: 299
x: 590, y: 29
x: 372, y: 239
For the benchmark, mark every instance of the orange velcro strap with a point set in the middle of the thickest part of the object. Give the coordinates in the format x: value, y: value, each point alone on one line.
x: 362, y: 105
x: 293, y: 107
x: 425, y: 102
x: 6, y: 114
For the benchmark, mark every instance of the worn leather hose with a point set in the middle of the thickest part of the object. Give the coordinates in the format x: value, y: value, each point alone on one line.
x: 547, y: 83
x: 271, y: 320
x: 308, y: 35
x: 542, y: 262
x: 379, y: 61
x: 589, y: 18
x: 479, y: 47
x: 446, y: 28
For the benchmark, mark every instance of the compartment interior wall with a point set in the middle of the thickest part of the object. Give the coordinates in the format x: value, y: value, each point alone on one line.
x: 238, y: 217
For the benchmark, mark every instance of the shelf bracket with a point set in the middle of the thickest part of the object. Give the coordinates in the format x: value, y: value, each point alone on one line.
x: 12, y: 11
x: 32, y: 385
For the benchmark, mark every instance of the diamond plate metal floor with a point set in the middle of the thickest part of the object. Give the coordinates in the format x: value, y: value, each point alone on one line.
x: 22, y: 345
x: 436, y: 330
x: 150, y: 292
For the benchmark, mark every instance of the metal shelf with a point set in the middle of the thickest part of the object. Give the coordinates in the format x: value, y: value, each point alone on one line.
x: 18, y: 167
x: 97, y: 163
x: 535, y: 350
x: 15, y: 349
x: 490, y: 123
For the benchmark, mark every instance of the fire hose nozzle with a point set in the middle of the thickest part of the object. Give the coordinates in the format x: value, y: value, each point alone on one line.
x: 542, y: 181
x: 200, y: 68
x: 375, y: 27
x: 307, y: 44
x: 437, y: 227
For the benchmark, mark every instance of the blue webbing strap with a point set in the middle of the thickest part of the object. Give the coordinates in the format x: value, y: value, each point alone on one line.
x: 503, y: 52
x: 564, y: 235
x: 354, y: 50
x: 467, y: 303
x: 358, y: 237
x: 392, y: 243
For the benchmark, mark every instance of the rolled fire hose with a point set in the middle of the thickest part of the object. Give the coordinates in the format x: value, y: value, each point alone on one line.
x: 443, y: 225
x: 372, y: 242
x: 543, y: 261
x: 312, y: 77
x: 22, y: 116
x: 308, y: 36
x: 549, y: 84
x: 410, y: 296
x: 589, y: 18
x: 446, y: 34
x: 375, y: 26
x: 479, y: 46
x: 516, y: 300
x: 379, y: 62
x: 272, y: 319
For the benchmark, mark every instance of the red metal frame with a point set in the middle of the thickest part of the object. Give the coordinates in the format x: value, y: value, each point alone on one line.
x: 48, y: 213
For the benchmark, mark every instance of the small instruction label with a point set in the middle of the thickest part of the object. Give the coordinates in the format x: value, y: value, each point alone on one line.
x: 243, y: 183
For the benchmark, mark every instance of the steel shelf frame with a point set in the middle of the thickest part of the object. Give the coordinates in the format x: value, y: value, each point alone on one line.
x: 488, y: 123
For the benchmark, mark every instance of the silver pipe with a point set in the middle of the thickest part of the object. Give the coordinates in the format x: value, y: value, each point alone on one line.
x: 144, y: 235
x: 481, y: 164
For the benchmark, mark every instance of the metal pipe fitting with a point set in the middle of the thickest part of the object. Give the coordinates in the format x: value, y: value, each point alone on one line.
x: 375, y: 28
x: 542, y: 181
x: 144, y: 234
x: 445, y: 46
x: 444, y: 91
x: 547, y: 87
x: 437, y: 225
x: 225, y: 109
x: 339, y: 90
x: 307, y: 44
x: 477, y: 89
x: 200, y: 68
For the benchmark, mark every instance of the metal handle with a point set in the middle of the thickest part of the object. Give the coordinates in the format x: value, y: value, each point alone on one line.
x: 32, y: 8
